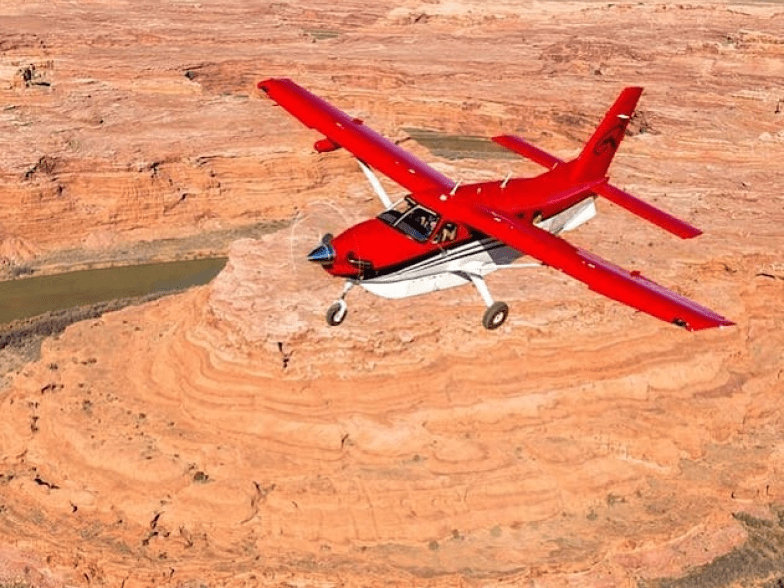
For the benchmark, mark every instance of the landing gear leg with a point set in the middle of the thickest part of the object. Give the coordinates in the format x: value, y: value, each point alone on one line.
x: 496, y: 312
x: 338, y: 311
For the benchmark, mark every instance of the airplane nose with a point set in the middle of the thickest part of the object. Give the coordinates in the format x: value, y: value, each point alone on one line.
x: 323, y: 254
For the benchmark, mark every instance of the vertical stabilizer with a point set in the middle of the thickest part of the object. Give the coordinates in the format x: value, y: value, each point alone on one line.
x: 595, y: 158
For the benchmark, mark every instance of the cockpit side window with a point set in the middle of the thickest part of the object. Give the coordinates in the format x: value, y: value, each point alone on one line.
x: 415, y: 221
x: 397, y: 210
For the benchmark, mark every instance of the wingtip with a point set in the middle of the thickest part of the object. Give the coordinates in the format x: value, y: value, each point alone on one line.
x: 689, y: 232
x: 715, y: 323
x: 267, y: 85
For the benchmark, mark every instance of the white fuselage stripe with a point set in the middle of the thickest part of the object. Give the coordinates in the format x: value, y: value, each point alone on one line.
x: 453, y: 267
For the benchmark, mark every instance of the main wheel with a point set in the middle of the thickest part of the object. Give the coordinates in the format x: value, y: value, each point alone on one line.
x: 336, y: 313
x: 495, y: 315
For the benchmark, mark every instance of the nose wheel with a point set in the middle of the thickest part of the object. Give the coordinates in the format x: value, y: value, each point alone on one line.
x: 336, y: 313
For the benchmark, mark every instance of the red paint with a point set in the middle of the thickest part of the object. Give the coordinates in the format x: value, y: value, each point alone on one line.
x: 505, y: 210
x: 325, y: 146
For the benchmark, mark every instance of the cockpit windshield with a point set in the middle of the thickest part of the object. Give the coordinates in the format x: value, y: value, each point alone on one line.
x: 410, y: 218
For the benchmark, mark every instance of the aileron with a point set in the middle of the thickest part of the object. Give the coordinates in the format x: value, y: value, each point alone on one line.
x: 342, y: 130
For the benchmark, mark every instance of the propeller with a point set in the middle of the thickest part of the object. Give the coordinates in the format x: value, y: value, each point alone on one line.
x: 324, y: 253
x: 314, y: 225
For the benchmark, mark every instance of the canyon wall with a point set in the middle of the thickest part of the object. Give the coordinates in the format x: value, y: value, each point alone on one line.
x: 226, y: 436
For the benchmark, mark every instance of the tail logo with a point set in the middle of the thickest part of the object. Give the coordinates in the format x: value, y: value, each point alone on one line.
x: 610, y: 141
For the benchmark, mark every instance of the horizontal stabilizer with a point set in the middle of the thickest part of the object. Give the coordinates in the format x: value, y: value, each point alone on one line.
x: 524, y: 148
x: 615, y: 195
x: 650, y: 213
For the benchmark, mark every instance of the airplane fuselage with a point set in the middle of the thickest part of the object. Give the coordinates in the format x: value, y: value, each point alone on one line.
x: 388, y: 244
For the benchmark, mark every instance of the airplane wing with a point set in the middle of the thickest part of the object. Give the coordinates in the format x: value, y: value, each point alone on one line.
x: 350, y: 133
x: 601, y: 276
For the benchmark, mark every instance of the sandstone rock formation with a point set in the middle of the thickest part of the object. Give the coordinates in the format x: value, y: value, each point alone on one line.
x: 227, y: 436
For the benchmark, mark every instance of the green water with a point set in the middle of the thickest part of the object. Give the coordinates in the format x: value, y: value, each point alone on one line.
x: 454, y: 147
x: 33, y: 296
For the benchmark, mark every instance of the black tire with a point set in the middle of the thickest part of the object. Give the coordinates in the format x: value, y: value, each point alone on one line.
x: 495, y: 315
x: 333, y: 315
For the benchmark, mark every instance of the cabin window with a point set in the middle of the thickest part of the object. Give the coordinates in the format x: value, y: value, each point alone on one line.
x: 447, y: 233
x: 392, y: 214
x: 411, y: 219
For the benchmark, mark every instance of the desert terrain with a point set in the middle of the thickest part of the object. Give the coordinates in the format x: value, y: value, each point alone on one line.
x: 226, y: 436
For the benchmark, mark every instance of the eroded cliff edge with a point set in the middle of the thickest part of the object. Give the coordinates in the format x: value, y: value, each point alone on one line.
x: 228, y: 436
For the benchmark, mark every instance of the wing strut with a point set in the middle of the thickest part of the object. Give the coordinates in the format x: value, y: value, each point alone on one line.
x: 379, y: 189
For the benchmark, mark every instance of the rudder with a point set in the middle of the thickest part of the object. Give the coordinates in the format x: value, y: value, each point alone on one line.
x: 595, y: 158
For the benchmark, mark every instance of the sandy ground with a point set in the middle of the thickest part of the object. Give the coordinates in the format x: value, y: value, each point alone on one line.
x: 227, y: 437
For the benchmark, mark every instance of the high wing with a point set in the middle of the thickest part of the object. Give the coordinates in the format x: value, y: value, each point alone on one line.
x: 601, y: 276
x: 350, y: 133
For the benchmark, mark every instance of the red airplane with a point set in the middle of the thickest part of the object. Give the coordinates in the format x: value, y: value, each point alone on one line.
x: 444, y: 234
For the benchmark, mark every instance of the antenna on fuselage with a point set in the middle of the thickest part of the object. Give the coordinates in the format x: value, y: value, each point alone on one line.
x: 455, y: 187
x: 506, y: 180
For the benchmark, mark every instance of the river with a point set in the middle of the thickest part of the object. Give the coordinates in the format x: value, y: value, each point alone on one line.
x: 28, y: 297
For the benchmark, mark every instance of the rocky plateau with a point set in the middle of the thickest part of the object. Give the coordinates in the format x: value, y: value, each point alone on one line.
x: 226, y: 436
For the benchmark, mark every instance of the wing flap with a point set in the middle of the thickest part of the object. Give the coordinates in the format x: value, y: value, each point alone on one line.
x: 601, y: 276
x: 350, y: 133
